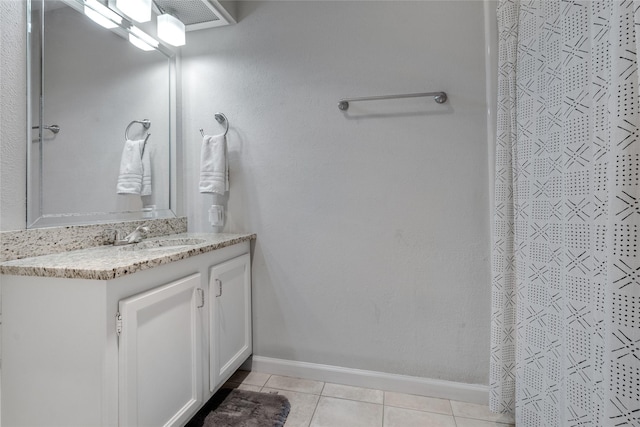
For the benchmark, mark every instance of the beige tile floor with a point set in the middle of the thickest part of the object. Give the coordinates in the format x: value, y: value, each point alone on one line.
x: 319, y: 404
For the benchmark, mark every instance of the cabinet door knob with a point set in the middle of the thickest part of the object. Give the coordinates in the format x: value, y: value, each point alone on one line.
x: 219, y: 293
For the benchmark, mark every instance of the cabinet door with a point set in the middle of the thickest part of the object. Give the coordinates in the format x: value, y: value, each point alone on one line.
x: 160, y: 367
x: 230, y: 317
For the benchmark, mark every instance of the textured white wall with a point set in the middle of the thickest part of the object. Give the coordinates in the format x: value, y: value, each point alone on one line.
x: 13, y: 115
x: 372, y: 247
x: 373, y: 228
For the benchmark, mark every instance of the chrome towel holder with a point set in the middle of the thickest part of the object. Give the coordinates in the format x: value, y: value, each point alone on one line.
x: 52, y: 128
x: 439, y: 97
x: 146, y: 123
x: 220, y: 118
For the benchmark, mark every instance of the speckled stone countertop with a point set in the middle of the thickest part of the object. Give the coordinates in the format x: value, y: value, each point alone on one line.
x: 110, y: 262
x: 50, y: 240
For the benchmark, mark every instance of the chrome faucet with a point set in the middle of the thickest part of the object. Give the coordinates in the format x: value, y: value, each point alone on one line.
x: 135, y: 236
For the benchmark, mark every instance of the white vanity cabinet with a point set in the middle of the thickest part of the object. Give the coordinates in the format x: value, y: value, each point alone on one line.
x: 143, y: 349
x: 160, y: 371
x: 230, y: 318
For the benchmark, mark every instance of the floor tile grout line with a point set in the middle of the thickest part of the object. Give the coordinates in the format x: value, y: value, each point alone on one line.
x: 265, y: 383
x: 332, y: 397
x: 315, y: 409
x: 498, y: 423
x: 293, y: 391
x: 422, y: 410
x: 429, y: 412
x: 451, y: 408
x: 353, y: 400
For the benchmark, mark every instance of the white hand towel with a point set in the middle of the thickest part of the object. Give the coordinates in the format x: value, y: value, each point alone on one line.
x: 214, y: 166
x: 131, y: 168
x: 146, y: 170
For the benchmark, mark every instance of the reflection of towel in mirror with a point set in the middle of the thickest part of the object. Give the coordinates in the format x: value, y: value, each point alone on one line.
x: 146, y: 169
x: 135, y: 169
x: 214, y: 166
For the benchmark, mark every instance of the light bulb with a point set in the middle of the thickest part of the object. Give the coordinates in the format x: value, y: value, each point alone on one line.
x: 101, y: 14
x: 142, y: 40
x: 139, y: 43
x: 171, y: 30
x: 138, y: 10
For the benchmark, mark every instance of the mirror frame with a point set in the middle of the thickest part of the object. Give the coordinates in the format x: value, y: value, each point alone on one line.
x: 41, y: 219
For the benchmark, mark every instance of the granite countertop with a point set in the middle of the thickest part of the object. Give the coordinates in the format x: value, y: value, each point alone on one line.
x: 110, y: 262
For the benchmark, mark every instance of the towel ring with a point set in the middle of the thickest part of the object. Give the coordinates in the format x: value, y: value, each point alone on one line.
x: 220, y: 118
x: 146, y: 123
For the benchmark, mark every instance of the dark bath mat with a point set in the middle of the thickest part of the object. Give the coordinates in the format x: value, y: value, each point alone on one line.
x: 241, y: 408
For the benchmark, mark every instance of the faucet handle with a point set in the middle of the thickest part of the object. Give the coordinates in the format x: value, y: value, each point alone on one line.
x: 142, y: 229
x: 116, y: 233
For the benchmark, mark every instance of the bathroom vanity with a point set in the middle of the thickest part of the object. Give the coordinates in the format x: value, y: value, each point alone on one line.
x: 124, y: 336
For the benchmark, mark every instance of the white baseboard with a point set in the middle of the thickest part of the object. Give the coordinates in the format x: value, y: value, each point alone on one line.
x: 472, y: 393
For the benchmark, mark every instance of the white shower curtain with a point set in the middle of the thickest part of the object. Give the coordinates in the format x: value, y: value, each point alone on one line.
x: 565, y: 338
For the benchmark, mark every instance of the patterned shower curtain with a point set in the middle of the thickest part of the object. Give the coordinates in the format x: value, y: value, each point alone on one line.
x: 565, y: 338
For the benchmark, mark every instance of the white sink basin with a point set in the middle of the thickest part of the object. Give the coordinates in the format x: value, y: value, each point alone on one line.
x: 162, y: 245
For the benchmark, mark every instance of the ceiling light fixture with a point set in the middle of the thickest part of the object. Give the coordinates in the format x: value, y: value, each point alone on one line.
x: 102, y: 15
x: 171, y: 30
x: 142, y: 40
x: 138, y: 10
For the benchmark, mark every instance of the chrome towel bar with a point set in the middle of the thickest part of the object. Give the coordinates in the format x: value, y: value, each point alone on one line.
x: 439, y: 97
x: 52, y: 128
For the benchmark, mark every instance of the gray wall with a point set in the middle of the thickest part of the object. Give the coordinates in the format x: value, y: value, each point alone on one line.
x: 373, y: 228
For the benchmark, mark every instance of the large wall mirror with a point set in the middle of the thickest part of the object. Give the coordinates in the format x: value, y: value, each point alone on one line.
x: 87, y: 85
